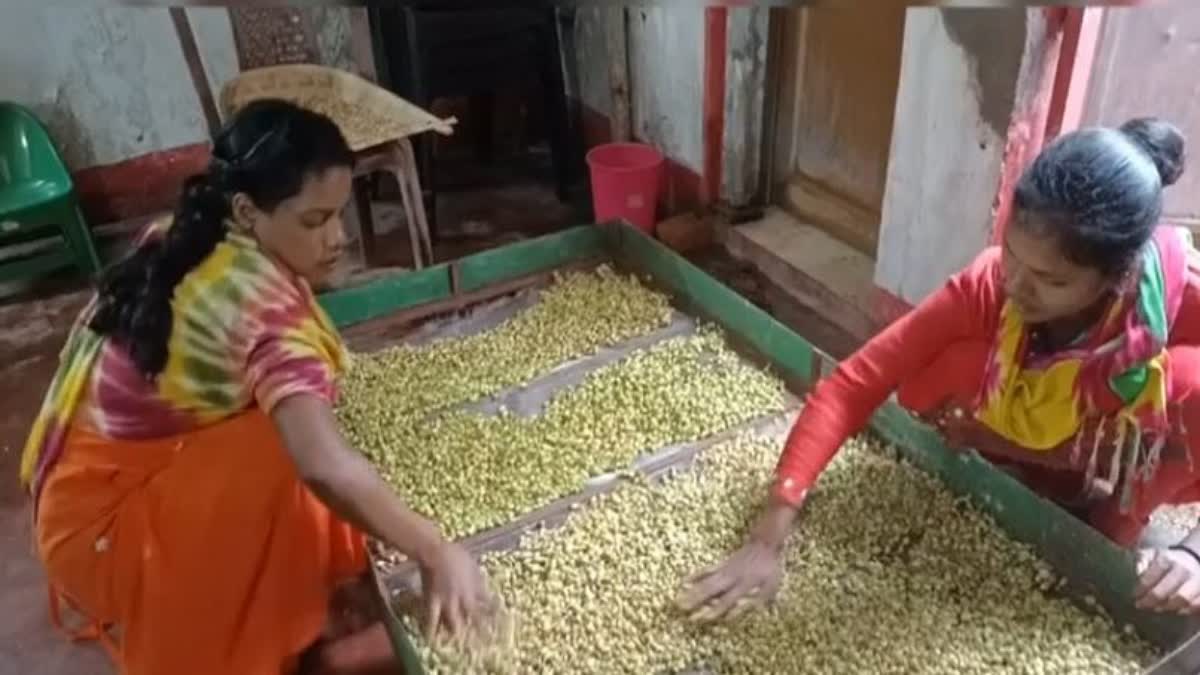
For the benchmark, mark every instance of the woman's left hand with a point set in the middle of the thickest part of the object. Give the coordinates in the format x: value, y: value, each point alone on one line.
x: 1168, y: 581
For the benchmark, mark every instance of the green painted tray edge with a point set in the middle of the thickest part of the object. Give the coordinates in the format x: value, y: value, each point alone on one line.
x: 1094, y: 565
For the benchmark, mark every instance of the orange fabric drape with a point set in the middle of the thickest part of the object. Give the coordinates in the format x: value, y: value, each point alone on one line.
x: 204, y: 550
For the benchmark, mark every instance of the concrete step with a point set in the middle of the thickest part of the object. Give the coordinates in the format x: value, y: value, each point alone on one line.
x: 816, y: 269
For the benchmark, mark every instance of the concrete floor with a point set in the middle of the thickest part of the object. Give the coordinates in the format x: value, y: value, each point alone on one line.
x: 30, y: 334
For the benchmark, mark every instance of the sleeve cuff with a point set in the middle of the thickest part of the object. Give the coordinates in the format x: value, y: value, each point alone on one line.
x: 789, y: 490
x: 269, y: 398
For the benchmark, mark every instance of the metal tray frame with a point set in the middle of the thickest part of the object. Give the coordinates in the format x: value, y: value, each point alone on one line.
x: 1094, y: 567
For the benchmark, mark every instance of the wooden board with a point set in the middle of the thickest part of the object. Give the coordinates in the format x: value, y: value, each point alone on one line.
x: 272, y: 36
x: 839, y: 215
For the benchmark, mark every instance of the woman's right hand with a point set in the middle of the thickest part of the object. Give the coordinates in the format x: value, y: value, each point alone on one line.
x: 749, y: 577
x: 343, y: 479
x: 456, y: 593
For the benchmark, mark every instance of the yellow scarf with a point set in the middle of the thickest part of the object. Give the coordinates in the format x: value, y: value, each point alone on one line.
x: 1119, y: 376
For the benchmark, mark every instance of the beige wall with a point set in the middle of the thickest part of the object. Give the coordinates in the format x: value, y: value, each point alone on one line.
x: 1148, y: 64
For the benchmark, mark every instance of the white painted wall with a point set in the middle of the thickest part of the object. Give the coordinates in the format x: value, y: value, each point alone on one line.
x: 110, y: 83
x: 666, y: 71
x: 944, y: 168
x: 591, y: 59
x: 745, y: 90
x: 666, y: 67
x: 113, y: 84
x: 214, y: 38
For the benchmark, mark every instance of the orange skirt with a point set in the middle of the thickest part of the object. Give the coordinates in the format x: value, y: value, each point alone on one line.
x: 204, y: 550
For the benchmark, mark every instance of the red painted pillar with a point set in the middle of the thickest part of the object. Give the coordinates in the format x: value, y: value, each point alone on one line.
x: 1027, y: 128
x: 715, y: 41
x: 1081, y: 35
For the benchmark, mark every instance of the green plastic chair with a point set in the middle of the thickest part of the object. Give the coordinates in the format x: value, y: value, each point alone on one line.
x: 38, y: 202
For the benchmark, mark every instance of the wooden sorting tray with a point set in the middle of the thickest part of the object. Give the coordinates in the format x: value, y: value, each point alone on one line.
x: 379, y: 312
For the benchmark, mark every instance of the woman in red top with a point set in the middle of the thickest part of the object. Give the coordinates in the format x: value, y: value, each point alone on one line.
x: 1070, y: 356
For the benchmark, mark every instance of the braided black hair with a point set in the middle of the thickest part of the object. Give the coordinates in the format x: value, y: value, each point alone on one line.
x: 266, y: 152
x: 1099, y: 191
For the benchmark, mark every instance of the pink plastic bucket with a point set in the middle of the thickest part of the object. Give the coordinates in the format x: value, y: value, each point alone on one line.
x: 625, y: 183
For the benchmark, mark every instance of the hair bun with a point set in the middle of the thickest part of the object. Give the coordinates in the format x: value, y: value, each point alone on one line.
x: 1162, y: 142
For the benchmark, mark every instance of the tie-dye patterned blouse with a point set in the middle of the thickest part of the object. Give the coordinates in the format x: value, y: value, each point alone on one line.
x: 246, y: 332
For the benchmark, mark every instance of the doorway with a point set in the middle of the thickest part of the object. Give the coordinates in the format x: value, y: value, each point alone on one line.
x: 838, y: 76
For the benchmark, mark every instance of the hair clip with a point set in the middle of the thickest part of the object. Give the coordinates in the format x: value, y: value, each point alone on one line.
x: 257, y: 145
x: 219, y: 163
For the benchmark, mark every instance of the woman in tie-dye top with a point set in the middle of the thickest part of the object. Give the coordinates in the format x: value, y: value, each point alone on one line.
x: 1070, y: 356
x: 192, y: 492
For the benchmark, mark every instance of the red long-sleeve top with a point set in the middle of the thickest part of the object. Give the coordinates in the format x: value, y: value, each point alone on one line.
x: 967, y: 307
